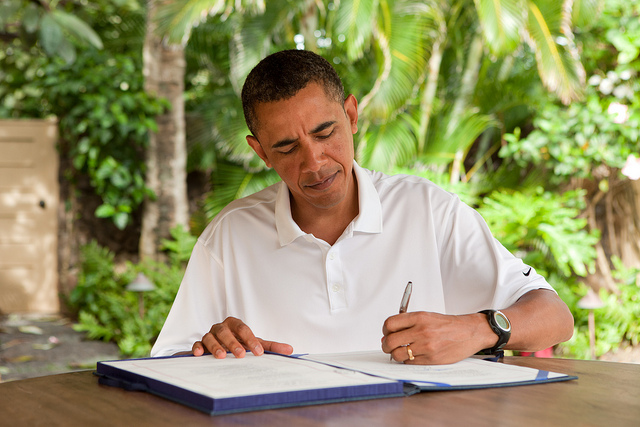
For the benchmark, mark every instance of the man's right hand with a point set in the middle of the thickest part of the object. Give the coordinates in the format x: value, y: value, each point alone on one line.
x: 234, y: 336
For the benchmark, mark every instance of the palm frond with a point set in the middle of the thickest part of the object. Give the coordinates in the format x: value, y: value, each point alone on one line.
x: 176, y: 19
x: 388, y: 145
x: 232, y: 182
x: 254, y: 39
x: 585, y: 13
x: 209, y: 47
x: 354, y: 21
x: 502, y: 22
x: 443, y: 141
x: 558, y: 66
x: 406, y: 41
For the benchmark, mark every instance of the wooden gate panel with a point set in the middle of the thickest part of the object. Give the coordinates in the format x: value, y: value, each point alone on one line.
x: 29, y: 196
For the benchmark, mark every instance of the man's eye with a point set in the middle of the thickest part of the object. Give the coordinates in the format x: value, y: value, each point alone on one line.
x: 289, y: 151
x: 325, y: 136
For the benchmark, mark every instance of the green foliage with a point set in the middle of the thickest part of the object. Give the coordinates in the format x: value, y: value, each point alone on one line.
x: 107, y: 311
x: 575, y: 141
x: 104, y: 119
x: 108, y: 116
x: 616, y: 322
x: 467, y: 192
x: 233, y: 182
x: 57, y: 31
x: 181, y: 245
x: 543, y: 228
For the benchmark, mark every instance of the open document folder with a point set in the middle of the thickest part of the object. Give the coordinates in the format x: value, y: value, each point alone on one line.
x: 275, y: 381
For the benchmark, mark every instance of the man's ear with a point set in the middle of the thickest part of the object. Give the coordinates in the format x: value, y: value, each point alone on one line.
x: 255, y: 144
x: 351, y: 110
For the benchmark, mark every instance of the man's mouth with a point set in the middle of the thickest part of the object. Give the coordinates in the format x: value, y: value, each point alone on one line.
x: 323, y: 184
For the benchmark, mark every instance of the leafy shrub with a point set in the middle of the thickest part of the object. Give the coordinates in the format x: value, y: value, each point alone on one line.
x: 575, y: 141
x: 615, y: 323
x: 543, y: 228
x: 106, y: 116
x: 107, y: 311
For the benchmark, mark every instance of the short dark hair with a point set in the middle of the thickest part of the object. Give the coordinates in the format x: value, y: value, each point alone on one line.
x: 282, y: 75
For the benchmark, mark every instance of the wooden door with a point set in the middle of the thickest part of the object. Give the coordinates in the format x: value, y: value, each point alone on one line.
x: 29, y: 196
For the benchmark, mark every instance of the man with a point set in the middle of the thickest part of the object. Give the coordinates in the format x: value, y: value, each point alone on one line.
x: 320, y: 261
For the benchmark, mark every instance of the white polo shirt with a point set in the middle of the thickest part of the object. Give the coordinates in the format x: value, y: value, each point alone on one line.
x: 253, y: 262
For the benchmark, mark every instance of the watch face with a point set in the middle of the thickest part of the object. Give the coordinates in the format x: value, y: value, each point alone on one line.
x: 502, y: 321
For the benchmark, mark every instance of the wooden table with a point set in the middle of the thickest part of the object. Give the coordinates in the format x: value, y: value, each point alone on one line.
x: 606, y: 394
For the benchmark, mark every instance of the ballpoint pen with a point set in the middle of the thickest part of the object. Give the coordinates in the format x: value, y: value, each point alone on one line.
x: 404, y: 304
x: 405, y: 298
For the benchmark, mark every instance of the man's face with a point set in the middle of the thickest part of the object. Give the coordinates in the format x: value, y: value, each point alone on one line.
x: 308, y: 140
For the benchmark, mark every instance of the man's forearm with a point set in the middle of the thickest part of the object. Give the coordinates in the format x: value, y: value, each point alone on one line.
x: 539, y: 319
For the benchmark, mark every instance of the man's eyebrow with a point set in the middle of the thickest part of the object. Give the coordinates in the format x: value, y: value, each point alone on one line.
x: 323, y: 126
x: 317, y: 129
x: 284, y: 143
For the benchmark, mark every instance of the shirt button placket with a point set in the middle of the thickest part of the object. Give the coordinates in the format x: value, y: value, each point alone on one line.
x: 335, y: 280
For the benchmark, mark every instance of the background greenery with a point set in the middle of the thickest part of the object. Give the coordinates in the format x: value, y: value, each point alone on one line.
x: 108, y: 312
x: 508, y: 111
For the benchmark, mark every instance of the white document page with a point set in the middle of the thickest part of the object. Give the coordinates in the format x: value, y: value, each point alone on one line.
x: 468, y: 372
x: 251, y: 375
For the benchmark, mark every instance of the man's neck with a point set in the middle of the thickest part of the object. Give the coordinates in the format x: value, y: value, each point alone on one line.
x: 327, y: 224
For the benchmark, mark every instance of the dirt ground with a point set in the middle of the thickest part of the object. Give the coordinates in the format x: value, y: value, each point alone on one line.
x: 32, y: 346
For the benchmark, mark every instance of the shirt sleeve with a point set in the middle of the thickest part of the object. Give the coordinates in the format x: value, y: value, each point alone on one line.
x: 478, y: 271
x: 198, y: 305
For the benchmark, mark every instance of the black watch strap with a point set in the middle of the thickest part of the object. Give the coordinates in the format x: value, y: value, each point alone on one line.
x: 502, y: 331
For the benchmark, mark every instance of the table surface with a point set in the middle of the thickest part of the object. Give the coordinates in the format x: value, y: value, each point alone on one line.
x: 605, y: 394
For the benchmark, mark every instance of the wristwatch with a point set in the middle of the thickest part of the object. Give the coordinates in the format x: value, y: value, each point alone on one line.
x: 501, y: 326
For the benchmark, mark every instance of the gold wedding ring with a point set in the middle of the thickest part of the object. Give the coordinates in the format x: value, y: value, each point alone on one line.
x: 410, y: 352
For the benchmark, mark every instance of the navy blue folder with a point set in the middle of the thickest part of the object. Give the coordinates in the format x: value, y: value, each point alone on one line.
x: 182, y: 383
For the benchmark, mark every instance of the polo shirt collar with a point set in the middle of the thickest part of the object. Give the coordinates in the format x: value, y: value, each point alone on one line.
x: 369, y: 220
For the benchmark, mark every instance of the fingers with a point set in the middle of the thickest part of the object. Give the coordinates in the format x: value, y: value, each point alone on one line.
x: 230, y: 335
x: 397, y: 334
x: 401, y: 354
x: 415, y: 331
x: 235, y: 336
x: 277, y: 347
x: 399, y: 322
x: 197, y: 349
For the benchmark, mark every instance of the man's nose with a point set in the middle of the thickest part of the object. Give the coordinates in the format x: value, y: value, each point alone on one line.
x: 314, y: 157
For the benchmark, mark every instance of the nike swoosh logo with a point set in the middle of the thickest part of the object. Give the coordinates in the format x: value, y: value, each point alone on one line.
x: 527, y: 273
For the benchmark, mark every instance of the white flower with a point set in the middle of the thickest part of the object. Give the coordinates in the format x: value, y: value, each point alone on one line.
x: 605, y: 86
x: 623, y: 91
x: 619, y: 111
x: 631, y: 168
x: 626, y: 74
x: 594, y: 80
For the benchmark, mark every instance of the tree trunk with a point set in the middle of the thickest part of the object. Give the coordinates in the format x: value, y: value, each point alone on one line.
x: 164, y: 68
x: 616, y: 213
x: 629, y: 224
